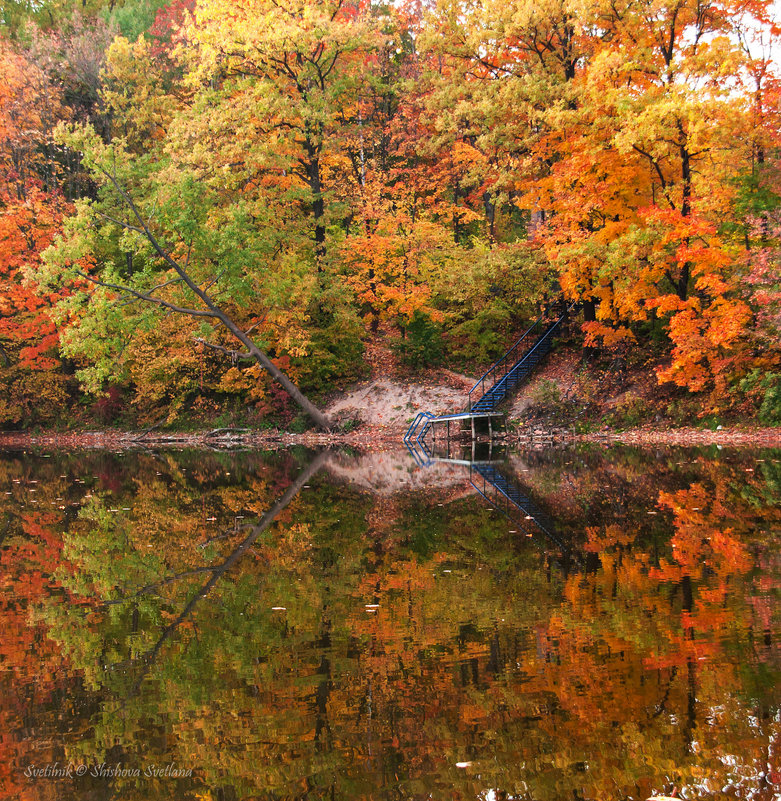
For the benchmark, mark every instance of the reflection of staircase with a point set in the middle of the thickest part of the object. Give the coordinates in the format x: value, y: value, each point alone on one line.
x: 507, y: 497
x: 512, y: 493
x: 427, y: 452
x: 502, y: 492
x: 504, y: 376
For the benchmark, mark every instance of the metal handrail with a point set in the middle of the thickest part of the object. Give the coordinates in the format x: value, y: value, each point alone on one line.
x: 494, y: 367
x: 411, y: 428
x: 543, y: 338
x: 421, y: 437
x: 415, y: 423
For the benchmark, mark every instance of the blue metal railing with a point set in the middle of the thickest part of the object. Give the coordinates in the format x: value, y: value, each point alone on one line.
x: 511, y: 365
x: 412, y: 432
x: 498, y: 368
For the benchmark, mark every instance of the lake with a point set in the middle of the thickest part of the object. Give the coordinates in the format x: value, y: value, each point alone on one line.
x: 578, y: 623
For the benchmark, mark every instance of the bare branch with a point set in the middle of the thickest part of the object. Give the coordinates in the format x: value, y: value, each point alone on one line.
x: 234, y: 354
x: 150, y: 298
x: 656, y: 166
x: 164, y: 284
x: 255, y: 325
x: 126, y: 226
x: 214, y: 280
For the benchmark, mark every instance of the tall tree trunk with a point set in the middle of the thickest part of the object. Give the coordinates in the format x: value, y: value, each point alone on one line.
x: 682, y: 288
x: 590, y: 316
x: 314, y: 179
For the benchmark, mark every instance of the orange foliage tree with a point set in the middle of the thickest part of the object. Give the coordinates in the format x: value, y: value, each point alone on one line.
x: 31, y: 213
x: 622, y: 132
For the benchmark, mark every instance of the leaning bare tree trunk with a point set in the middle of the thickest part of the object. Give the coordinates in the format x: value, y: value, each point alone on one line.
x: 257, y: 354
x: 220, y: 570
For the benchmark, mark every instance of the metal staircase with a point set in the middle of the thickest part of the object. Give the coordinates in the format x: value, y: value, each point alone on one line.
x: 504, y: 376
x: 494, y: 386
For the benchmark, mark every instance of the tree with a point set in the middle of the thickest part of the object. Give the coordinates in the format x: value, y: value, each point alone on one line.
x: 164, y: 269
x: 294, y: 70
x: 234, y: 221
x: 641, y: 182
x: 31, y: 212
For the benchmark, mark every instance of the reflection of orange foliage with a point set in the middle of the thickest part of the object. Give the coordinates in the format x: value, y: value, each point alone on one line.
x: 671, y: 615
x: 598, y: 539
x: 32, y: 663
x: 699, y: 540
x: 382, y: 653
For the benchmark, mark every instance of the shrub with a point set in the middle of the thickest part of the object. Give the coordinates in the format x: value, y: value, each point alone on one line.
x: 334, y: 357
x: 423, y: 346
x: 31, y: 397
x: 766, y: 389
x: 631, y: 410
x: 547, y: 400
x: 480, y: 339
x: 546, y: 393
x: 109, y: 405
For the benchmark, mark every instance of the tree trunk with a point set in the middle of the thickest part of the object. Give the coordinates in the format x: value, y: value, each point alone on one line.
x: 682, y: 289
x: 490, y: 214
x: 590, y: 316
x: 295, y: 393
x: 314, y: 179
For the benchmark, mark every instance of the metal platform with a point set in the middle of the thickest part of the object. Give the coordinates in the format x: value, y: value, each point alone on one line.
x: 426, y: 423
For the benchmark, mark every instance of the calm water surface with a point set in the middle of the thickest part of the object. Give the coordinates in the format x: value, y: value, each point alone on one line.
x: 565, y: 625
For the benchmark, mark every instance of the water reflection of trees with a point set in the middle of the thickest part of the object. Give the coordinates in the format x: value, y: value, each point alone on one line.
x: 397, y: 649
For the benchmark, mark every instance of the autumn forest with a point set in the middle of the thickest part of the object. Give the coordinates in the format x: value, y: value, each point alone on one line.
x: 196, y: 196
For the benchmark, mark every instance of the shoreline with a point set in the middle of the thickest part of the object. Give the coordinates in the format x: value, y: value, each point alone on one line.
x: 380, y: 438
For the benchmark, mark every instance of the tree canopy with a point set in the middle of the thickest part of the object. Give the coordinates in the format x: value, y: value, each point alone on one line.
x: 189, y: 184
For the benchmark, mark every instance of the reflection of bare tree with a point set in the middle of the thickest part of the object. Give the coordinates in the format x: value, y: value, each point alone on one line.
x: 218, y: 571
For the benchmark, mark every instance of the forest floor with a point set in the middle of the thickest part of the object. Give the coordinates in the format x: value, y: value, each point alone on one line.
x: 388, y: 399
x: 567, y: 400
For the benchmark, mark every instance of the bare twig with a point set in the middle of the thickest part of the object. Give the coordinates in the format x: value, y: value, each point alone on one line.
x: 234, y: 354
x: 150, y: 298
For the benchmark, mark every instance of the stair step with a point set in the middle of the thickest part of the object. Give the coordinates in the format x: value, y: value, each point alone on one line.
x: 510, y: 378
